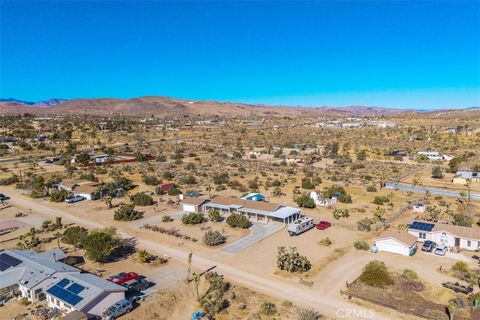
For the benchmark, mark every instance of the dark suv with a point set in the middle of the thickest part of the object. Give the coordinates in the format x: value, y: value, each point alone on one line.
x: 428, y: 246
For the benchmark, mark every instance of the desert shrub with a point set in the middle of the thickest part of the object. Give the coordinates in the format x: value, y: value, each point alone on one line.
x: 214, y: 301
x: 144, y: 256
x: 88, y: 176
x: 9, y: 180
x: 151, y: 180
x: 361, y: 245
x: 235, y: 220
x: 340, y: 213
x: 213, y: 215
x: 167, y: 219
x: 220, y: 178
x: 371, y: 189
x: 325, y: 242
x: 307, y: 183
x: 409, y: 274
x: 381, y: 200
x: 268, y: 308
x: 344, y: 197
x: 308, y: 314
x: 192, y: 218
x: 375, y: 274
x: 127, y: 212
x: 174, y: 191
x: 437, y: 172
x: 305, y: 201
x: 59, y: 195
x: 462, y: 271
x: 365, y: 225
x: 290, y: 260
x: 213, y: 238
x: 141, y: 199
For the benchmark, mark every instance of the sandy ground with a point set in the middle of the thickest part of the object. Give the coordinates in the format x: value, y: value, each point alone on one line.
x: 255, y: 267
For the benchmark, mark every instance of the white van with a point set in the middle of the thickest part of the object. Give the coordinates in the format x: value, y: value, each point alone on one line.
x: 301, y: 225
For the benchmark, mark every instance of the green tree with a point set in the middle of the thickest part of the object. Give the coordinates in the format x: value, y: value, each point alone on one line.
x: 74, y: 236
x: 437, y: 172
x: 213, y: 215
x: 141, y: 199
x: 99, y: 244
x: 59, y: 195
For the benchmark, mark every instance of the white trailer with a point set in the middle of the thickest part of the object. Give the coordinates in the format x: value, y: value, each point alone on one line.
x: 301, y: 225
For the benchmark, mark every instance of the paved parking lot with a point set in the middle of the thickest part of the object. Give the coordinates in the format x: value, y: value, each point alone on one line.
x: 258, y: 232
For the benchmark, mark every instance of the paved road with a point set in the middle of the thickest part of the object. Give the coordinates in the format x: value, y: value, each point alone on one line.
x: 258, y: 232
x: 328, y: 305
x: 442, y: 192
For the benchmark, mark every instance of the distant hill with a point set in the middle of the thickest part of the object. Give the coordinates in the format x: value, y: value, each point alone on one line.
x: 46, y: 103
x: 173, y: 107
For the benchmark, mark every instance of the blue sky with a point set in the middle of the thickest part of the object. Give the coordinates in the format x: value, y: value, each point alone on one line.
x: 389, y: 53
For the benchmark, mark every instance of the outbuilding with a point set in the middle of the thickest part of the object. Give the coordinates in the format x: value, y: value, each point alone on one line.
x: 191, y: 204
x: 397, y: 241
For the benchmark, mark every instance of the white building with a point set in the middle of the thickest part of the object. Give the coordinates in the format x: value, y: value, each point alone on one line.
x: 29, y: 273
x: 320, y: 201
x: 84, y: 292
x: 433, y: 155
x: 397, y: 241
x: 452, y: 236
x: 191, y: 204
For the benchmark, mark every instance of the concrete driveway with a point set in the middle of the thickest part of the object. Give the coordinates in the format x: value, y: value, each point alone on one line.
x: 258, y: 232
x: 157, y: 218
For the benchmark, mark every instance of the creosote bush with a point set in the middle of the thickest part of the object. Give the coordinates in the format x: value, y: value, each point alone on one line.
x: 213, y: 238
x: 375, y: 274
x: 192, y: 218
x: 235, y: 220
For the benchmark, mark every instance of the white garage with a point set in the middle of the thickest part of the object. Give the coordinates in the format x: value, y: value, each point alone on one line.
x: 397, y: 241
x: 190, y: 204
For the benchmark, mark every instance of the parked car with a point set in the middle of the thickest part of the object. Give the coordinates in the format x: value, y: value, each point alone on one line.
x: 123, y: 277
x: 322, y: 225
x: 138, y: 284
x: 119, y: 308
x: 301, y: 225
x: 73, y: 199
x: 428, y: 246
x: 3, y: 197
x: 441, y: 250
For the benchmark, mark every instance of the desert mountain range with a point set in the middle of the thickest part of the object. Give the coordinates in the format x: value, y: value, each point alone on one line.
x: 173, y: 107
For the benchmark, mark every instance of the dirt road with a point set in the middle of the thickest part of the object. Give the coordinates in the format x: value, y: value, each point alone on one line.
x: 331, y: 305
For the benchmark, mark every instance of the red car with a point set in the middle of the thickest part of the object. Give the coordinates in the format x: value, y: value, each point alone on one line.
x: 123, y: 277
x: 322, y: 225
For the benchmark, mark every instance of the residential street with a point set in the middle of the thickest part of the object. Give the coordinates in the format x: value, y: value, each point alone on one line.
x: 326, y: 303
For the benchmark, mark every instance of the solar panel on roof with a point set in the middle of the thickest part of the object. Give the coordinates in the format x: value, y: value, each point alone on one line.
x: 62, y: 294
x: 63, y: 283
x: 3, y: 266
x: 9, y: 260
x: 422, y: 226
x: 76, y: 288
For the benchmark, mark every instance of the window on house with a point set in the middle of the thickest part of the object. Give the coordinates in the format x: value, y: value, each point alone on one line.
x: 422, y: 235
x: 469, y: 243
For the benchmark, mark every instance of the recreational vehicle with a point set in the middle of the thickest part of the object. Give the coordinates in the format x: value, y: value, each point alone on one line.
x: 301, y: 225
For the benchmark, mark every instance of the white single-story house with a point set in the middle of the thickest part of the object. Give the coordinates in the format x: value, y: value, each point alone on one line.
x: 397, y: 241
x: 29, y: 273
x: 40, y: 276
x: 191, y: 204
x: 434, y: 155
x: 84, y: 292
x: 260, y: 211
x: 452, y: 236
x: 461, y: 177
